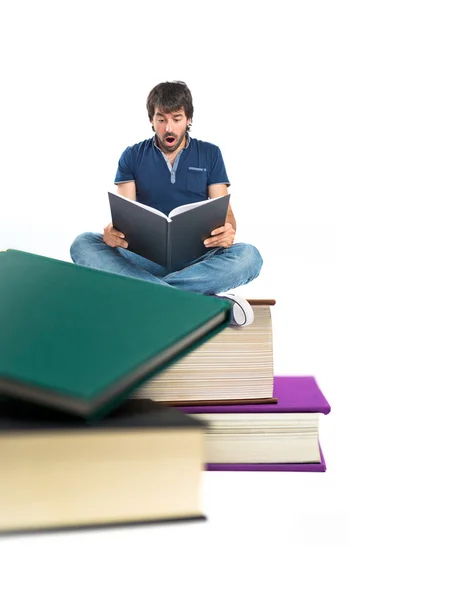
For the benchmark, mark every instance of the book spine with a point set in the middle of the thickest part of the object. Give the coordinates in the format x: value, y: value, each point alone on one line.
x: 261, y: 302
x: 168, y: 246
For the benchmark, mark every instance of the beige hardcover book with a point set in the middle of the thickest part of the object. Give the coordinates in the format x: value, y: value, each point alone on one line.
x: 235, y: 366
x: 140, y: 464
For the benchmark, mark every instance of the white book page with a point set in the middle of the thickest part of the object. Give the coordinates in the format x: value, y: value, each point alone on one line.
x: 185, y: 207
x: 150, y: 208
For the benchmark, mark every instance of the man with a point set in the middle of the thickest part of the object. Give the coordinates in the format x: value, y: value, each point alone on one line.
x: 166, y: 171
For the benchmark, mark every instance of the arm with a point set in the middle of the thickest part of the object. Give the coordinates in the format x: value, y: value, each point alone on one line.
x: 221, y: 189
x: 111, y: 236
x: 223, y: 236
x: 230, y: 217
x: 127, y: 189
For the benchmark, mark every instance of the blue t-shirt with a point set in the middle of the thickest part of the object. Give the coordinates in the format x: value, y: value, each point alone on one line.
x: 197, y: 166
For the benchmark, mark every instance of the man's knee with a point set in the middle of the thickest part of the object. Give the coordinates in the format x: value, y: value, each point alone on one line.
x: 251, y: 259
x: 82, y: 243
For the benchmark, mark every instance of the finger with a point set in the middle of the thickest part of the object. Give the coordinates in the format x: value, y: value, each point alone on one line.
x: 110, y: 230
x: 220, y: 240
x: 213, y: 241
x: 116, y: 242
x: 209, y: 241
x: 218, y: 231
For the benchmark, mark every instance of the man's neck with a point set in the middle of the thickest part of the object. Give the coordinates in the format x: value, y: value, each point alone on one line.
x: 171, y: 156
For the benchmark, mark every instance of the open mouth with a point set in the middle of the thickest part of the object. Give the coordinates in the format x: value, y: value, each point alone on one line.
x: 170, y: 140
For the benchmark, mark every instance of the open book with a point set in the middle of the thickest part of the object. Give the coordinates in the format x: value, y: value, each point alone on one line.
x: 171, y: 241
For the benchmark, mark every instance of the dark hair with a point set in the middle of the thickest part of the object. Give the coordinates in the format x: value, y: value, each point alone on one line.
x: 169, y: 97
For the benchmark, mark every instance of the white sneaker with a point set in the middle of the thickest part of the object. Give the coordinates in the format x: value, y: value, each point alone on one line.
x: 241, y: 314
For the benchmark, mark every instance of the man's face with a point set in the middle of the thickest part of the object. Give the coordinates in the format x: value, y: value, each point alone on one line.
x: 170, y: 129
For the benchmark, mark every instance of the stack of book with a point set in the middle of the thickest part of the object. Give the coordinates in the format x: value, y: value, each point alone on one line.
x: 255, y: 420
x: 115, y: 394
x: 75, y: 451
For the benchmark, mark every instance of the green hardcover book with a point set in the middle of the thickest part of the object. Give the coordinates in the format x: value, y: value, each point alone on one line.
x: 142, y: 463
x: 81, y: 340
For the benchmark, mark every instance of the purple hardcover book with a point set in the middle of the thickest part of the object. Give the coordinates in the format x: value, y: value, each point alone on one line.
x: 307, y: 467
x: 295, y: 394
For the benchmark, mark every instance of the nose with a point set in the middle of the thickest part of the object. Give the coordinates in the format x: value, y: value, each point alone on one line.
x: 168, y: 127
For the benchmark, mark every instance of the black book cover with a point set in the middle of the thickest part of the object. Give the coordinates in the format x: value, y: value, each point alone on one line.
x: 170, y: 241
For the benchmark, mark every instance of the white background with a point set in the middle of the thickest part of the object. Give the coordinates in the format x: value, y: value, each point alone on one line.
x: 336, y: 123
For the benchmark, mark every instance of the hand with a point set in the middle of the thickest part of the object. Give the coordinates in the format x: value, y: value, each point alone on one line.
x: 114, y: 238
x: 223, y: 236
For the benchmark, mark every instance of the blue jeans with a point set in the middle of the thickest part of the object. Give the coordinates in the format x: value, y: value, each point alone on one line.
x: 218, y: 270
